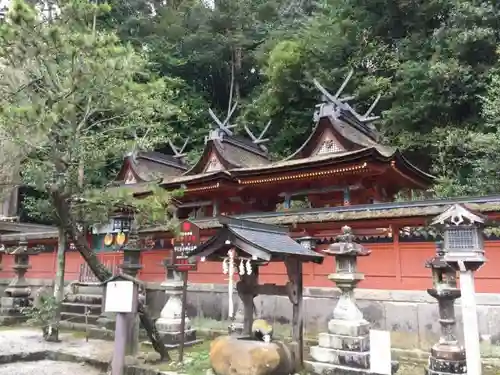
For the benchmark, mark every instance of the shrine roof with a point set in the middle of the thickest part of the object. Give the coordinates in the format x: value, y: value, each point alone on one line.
x: 231, y: 152
x: 196, y: 178
x: 225, y: 150
x: 260, y: 241
x: 345, y: 129
x: 372, y: 211
x: 145, y: 166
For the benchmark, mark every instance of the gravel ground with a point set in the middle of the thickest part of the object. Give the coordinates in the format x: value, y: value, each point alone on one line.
x: 26, y: 340
x: 47, y: 368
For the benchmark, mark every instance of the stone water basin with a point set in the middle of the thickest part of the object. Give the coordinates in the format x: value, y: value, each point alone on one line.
x: 230, y: 355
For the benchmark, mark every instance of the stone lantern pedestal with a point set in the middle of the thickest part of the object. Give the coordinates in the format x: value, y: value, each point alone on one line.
x: 18, y: 291
x: 345, y: 348
x: 169, y: 323
x: 447, y: 355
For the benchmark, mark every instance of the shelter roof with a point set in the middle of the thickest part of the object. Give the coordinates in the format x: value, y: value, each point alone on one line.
x: 262, y: 242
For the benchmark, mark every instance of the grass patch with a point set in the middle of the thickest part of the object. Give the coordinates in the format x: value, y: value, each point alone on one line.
x: 196, y: 360
x: 280, y: 331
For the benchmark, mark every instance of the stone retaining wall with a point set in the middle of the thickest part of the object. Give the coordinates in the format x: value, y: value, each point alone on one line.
x: 411, y: 316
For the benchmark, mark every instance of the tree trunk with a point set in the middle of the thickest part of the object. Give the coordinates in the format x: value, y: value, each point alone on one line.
x: 101, y: 272
x: 52, y: 333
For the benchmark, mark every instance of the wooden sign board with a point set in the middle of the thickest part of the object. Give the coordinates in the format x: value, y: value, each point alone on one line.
x: 121, y: 297
x: 380, y: 352
x: 185, y: 243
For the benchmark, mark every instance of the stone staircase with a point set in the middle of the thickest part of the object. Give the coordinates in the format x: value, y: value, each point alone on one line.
x: 80, y: 310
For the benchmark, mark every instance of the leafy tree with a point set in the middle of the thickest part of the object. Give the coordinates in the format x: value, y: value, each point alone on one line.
x: 430, y: 60
x: 72, y: 99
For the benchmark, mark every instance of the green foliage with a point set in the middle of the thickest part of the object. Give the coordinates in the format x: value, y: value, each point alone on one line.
x: 42, y: 312
x: 74, y: 99
x: 435, y: 62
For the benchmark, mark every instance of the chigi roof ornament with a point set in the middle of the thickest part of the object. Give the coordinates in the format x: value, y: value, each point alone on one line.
x: 260, y: 139
x: 334, y: 104
x: 178, y: 152
x: 223, y: 127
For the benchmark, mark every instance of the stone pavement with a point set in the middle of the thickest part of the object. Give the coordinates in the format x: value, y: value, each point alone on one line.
x: 46, y: 367
x: 19, y: 342
x: 24, y: 352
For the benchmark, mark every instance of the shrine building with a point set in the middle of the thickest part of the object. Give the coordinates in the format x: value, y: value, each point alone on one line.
x: 342, y: 174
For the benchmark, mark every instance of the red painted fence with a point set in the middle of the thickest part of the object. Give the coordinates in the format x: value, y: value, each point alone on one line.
x: 390, y: 266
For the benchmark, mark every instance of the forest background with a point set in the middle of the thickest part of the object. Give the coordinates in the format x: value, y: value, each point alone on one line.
x: 435, y: 63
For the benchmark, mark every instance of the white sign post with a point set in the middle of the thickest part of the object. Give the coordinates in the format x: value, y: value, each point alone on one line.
x: 380, y: 352
x: 121, y: 298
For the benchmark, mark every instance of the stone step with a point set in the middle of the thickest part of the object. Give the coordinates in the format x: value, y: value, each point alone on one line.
x: 341, y: 357
x: 94, y: 299
x: 80, y: 327
x: 342, y: 342
x: 79, y: 318
x: 81, y: 308
x: 92, y: 289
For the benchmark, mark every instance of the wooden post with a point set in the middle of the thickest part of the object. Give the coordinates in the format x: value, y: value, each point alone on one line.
x: 183, y: 315
x: 121, y: 297
x: 396, y: 248
x: 118, y: 362
x: 247, y: 290
x: 295, y: 294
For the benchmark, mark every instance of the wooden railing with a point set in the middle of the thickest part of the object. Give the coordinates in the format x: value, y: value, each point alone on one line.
x: 87, y: 276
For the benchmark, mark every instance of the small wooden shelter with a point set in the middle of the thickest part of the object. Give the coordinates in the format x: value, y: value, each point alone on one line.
x: 261, y: 244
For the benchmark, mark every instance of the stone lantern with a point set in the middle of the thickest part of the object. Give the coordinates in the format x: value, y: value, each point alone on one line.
x: 132, y: 253
x: 463, y: 251
x: 307, y: 242
x: 447, y: 356
x: 18, y: 291
x: 463, y: 237
x: 169, y: 322
x: 346, y: 276
x: 345, y: 348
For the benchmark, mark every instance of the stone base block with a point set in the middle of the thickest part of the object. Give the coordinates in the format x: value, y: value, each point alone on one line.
x: 172, y: 339
x: 318, y: 368
x: 341, y: 357
x: 349, y: 328
x: 433, y: 372
x: 444, y: 366
x: 355, y: 344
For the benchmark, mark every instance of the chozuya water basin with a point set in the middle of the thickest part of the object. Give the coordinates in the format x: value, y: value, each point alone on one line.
x: 230, y: 355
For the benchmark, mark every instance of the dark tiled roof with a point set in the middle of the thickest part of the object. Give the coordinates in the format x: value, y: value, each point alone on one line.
x: 377, y: 211
x: 152, y: 165
x: 238, y: 155
x: 271, y: 241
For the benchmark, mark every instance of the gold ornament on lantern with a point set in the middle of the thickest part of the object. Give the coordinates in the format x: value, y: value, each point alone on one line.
x: 108, y: 239
x: 120, y: 239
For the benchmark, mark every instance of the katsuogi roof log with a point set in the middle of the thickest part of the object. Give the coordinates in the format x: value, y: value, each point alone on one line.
x: 263, y: 242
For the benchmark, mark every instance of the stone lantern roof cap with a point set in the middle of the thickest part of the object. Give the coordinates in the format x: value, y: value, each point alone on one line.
x: 458, y: 215
x: 345, y: 245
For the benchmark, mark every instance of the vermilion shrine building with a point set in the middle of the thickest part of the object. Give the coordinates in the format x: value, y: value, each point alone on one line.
x: 342, y: 175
